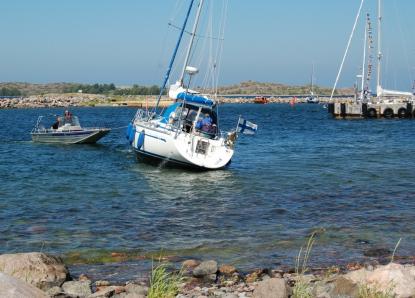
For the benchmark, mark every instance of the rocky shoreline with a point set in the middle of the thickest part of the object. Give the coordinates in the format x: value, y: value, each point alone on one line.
x: 38, y: 275
x: 81, y: 99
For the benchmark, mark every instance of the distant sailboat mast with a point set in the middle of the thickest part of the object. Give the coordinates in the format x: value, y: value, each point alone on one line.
x: 378, y: 86
x: 364, y: 62
x: 312, y: 79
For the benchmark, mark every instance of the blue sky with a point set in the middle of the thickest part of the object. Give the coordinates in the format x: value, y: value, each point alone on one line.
x: 129, y: 41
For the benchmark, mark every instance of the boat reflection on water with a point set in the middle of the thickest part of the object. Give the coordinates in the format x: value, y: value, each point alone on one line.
x: 162, y: 182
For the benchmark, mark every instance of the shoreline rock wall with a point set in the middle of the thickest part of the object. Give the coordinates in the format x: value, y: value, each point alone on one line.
x: 50, y: 100
x: 81, y: 99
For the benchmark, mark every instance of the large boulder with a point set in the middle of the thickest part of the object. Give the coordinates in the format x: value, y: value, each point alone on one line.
x: 38, y: 269
x: 391, y: 278
x: 271, y: 288
x: 11, y: 287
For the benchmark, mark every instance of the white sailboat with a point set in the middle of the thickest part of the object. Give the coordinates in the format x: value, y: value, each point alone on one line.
x: 382, y: 93
x: 186, y: 133
x: 312, y: 98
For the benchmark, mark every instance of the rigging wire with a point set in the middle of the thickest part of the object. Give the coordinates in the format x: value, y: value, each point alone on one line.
x: 177, y: 9
x: 404, y: 43
x: 347, y: 50
x: 190, y: 33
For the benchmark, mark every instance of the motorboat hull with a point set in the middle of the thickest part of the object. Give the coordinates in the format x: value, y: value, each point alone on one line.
x: 180, y: 148
x: 85, y: 136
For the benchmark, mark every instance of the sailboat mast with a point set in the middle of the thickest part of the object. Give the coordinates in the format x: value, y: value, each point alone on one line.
x: 193, y: 34
x: 312, y: 79
x: 364, y: 58
x: 378, y: 87
x: 166, y: 77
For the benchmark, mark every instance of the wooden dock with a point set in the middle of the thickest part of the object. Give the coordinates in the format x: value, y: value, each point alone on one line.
x: 393, y: 109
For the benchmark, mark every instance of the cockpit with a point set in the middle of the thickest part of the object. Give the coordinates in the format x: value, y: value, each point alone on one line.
x: 192, y: 118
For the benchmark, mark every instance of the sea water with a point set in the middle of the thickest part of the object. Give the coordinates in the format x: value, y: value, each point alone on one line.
x: 351, y: 181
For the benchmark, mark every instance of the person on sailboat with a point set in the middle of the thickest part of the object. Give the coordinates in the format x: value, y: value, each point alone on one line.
x: 206, y: 125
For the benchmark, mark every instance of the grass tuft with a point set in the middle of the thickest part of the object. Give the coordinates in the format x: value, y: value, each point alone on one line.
x: 394, y: 251
x: 302, y: 288
x: 164, y: 284
x: 366, y: 291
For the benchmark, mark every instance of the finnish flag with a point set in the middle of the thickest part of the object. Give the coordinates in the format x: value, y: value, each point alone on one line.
x: 246, y: 127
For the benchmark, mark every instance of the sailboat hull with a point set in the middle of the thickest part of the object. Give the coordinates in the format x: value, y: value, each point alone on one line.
x: 180, y: 149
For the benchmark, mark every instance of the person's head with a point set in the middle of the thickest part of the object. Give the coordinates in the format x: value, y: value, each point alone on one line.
x: 207, y: 115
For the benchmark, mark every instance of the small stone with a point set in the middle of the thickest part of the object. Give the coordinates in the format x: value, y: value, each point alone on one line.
x: 103, y: 293
x: 271, y: 288
x: 230, y: 295
x: 252, y: 277
x: 322, y: 289
x: 227, y: 269
x: 102, y: 283
x: 344, y: 287
x: 206, y: 268
x: 377, y: 252
x: 136, y: 289
x: 134, y: 296
x: 83, y: 277
x: 57, y: 292
x: 190, y: 264
x: 54, y: 291
x: 118, y: 255
x: 77, y: 288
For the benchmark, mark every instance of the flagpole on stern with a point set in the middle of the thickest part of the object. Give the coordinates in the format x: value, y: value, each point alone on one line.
x: 237, y: 125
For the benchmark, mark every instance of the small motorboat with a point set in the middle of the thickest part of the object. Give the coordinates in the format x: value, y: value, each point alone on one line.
x: 312, y: 99
x: 261, y: 100
x: 66, y: 130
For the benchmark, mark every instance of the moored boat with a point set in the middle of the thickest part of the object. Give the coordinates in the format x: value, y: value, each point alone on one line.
x: 312, y: 98
x: 187, y: 133
x: 261, y: 100
x: 387, y: 103
x: 66, y: 130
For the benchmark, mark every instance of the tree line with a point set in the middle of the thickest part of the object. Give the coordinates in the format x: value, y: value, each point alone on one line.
x: 10, y: 92
x: 90, y: 89
x: 111, y: 89
x: 138, y: 90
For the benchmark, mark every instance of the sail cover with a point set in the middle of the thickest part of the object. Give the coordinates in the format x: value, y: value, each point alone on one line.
x: 197, y: 99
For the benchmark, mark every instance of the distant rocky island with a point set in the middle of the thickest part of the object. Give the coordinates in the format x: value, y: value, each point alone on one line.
x: 28, y: 95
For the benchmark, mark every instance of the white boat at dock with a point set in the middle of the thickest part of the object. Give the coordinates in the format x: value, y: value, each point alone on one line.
x: 386, y: 103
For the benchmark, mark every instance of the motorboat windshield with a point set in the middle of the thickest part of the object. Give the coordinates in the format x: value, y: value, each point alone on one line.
x: 57, y: 123
x: 69, y: 121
